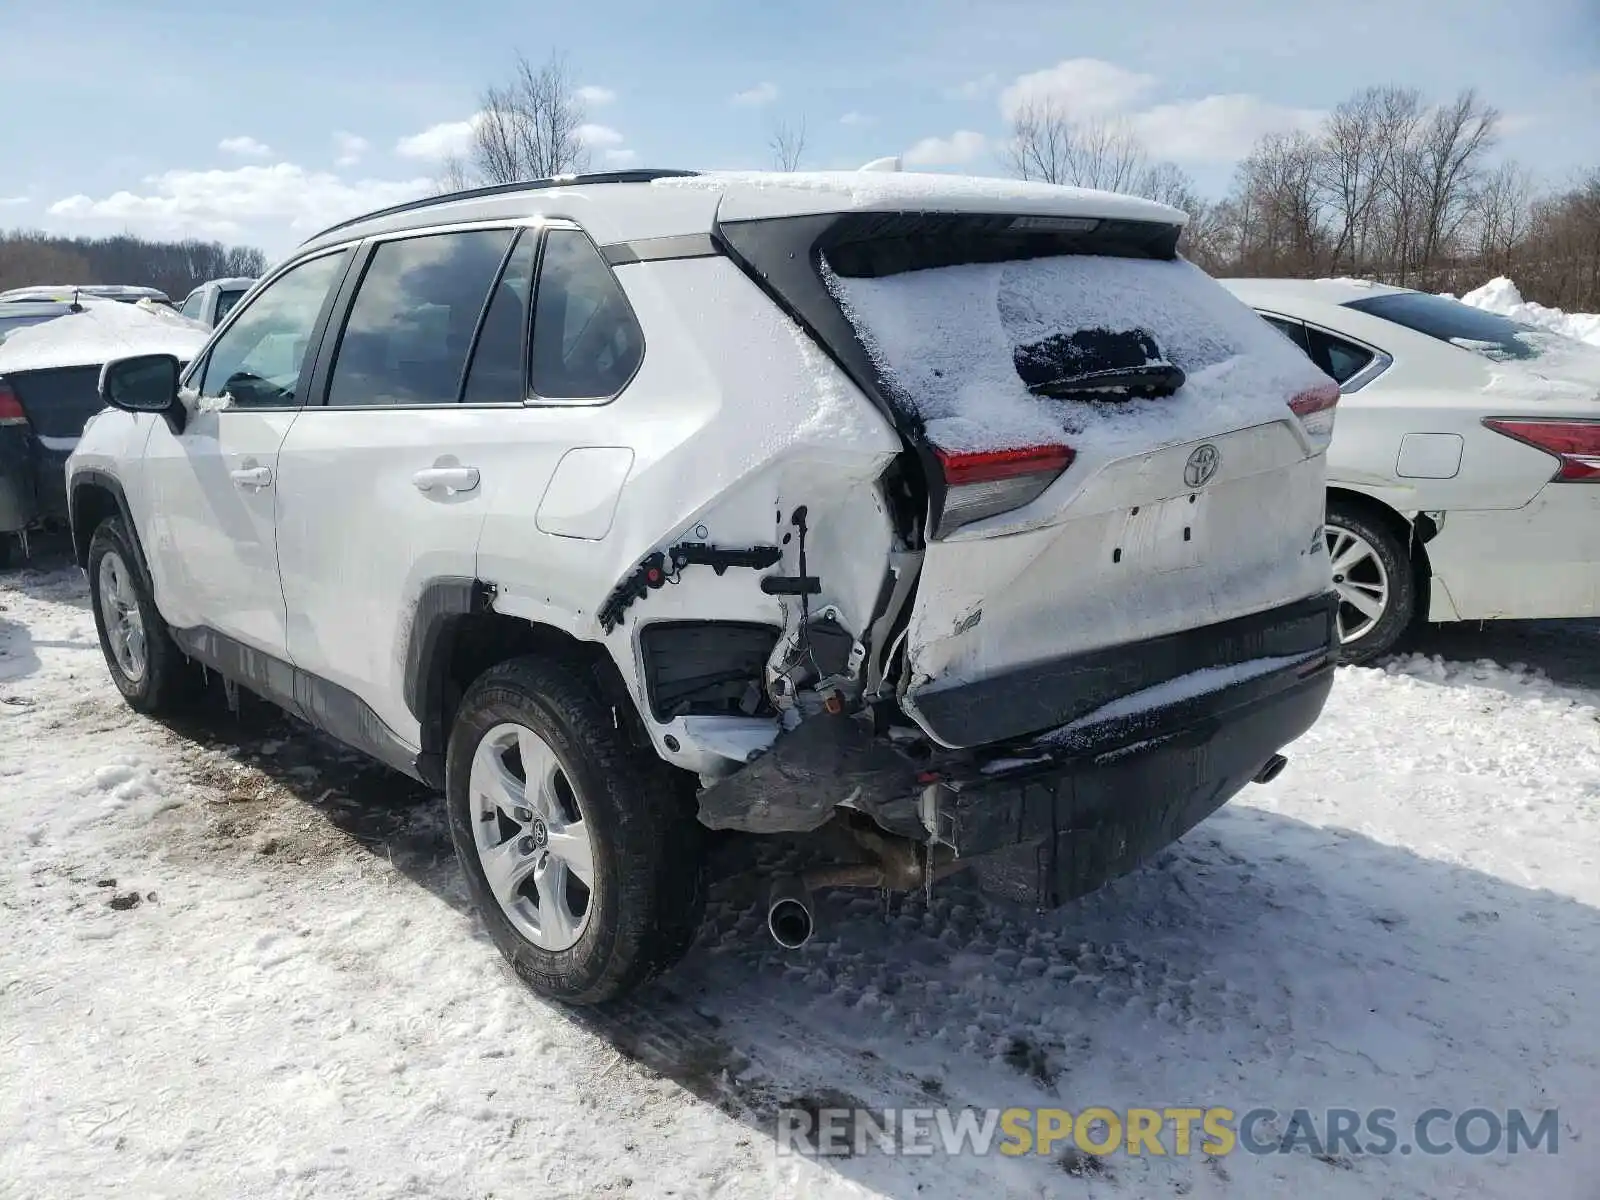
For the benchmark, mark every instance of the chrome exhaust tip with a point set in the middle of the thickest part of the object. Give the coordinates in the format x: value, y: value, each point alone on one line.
x: 789, y: 917
x: 1271, y: 769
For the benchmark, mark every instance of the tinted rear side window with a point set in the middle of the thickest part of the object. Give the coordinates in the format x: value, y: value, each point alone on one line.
x: 415, y: 314
x: 1485, y: 333
x: 1339, y: 358
x: 586, y: 342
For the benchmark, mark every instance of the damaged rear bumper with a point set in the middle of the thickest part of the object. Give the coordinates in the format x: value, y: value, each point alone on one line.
x: 1055, y: 692
x: 1048, y: 832
x: 1048, y: 817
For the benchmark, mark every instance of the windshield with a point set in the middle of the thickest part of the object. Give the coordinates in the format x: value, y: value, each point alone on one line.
x: 1486, y: 333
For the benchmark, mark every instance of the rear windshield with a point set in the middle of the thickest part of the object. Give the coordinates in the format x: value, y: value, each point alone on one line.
x: 9, y: 323
x: 959, y: 346
x: 226, y: 300
x: 1486, y: 333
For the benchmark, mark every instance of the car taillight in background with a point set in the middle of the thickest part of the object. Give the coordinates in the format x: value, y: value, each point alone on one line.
x: 983, y: 483
x: 1575, y: 443
x: 10, y: 407
x: 1316, y: 407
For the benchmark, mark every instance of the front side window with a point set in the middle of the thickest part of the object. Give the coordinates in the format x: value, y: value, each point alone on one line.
x: 191, y: 306
x: 415, y: 314
x: 258, y: 362
x: 586, y: 342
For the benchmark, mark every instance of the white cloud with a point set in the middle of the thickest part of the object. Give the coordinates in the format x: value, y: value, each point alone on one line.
x: 855, y: 118
x: 439, y: 141
x: 599, y: 135
x: 8, y: 201
x: 1080, y: 87
x: 1211, y: 129
x: 960, y: 147
x: 244, y: 147
x: 226, y: 204
x: 590, y: 94
x: 762, y: 93
x: 972, y: 89
x: 1216, y: 129
x: 350, y: 148
x: 622, y: 157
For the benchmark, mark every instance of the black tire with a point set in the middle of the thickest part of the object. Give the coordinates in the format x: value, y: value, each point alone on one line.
x: 648, y: 851
x: 169, y: 680
x: 1391, y: 555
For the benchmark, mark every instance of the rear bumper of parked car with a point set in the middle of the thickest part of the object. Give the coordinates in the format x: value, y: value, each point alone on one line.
x: 33, y: 480
x: 1540, y: 560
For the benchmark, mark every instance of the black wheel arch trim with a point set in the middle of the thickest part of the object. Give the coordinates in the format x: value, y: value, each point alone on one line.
x: 91, y: 477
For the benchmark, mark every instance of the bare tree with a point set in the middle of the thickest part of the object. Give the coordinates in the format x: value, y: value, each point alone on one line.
x: 1048, y: 145
x: 454, y: 176
x: 1449, y: 162
x: 529, y: 128
x: 1041, y: 143
x: 788, y: 144
x: 1277, y: 205
x: 1502, y: 215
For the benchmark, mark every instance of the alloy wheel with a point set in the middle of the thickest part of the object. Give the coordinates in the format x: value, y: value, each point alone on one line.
x: 1361, y: 581
x: 530, y: 836
x: 119, y: 607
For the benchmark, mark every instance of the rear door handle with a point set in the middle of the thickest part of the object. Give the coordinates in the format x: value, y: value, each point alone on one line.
x: 446, y: 480
x: 252, y: 477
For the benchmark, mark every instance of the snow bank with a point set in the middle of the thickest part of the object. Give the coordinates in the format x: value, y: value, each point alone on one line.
x: 1500, y: 295
x: 104, y: 330
x: 944, y: 339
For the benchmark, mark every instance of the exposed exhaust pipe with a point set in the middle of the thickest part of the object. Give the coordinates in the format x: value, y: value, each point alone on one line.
x: 1271, y: 769
x: 789, y: 916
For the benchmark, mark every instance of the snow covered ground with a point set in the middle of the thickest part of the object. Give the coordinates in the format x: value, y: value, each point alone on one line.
x: 238, y: 962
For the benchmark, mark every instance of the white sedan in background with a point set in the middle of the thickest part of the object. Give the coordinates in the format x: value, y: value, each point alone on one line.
x: 1464, y: 475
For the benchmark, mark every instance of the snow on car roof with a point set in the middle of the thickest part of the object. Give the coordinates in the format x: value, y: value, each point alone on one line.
x: 104, y: 330
x: 755, y: 194
x: 1315, y: 291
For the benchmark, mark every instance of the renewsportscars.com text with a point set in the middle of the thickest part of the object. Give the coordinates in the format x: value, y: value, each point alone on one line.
x: 1174, y: 1130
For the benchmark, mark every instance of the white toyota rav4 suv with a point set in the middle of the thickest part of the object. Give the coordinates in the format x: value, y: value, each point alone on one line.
x: 959, y: 520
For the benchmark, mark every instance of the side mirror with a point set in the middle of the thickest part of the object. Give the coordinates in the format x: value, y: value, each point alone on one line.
x: 144, y: 383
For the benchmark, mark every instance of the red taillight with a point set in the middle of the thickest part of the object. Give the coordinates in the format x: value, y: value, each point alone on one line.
x: 10, y: 407
x: 1314, y: 400
x: 1315, y: 408
x: 1576, y: 444
x: 983, y: 483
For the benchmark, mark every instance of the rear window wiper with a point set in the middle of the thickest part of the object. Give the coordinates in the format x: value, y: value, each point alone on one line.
x: 1150, y: 380
x: 1111, y: 363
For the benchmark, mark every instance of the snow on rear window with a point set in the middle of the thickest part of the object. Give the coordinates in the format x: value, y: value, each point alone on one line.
x: 943, y: 341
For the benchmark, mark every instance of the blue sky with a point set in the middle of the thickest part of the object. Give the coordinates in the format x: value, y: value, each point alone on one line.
x: 259, y: 123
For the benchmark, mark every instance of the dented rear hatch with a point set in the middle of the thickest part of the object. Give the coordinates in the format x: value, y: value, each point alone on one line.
x: 1117, y: 454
